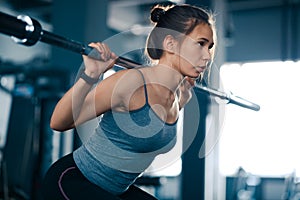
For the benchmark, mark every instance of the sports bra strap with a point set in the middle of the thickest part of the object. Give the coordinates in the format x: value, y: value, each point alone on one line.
x: 145, y: 88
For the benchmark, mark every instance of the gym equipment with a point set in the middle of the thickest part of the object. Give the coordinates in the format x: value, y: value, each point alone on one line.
x: 27, y: 31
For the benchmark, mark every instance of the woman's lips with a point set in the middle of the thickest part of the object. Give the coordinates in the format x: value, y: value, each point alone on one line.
x: 200, y: 69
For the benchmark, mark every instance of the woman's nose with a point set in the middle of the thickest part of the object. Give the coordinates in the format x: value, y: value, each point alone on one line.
x: 206, y: 55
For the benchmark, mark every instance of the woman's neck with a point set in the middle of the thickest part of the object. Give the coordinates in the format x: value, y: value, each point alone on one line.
x: 167, y: 75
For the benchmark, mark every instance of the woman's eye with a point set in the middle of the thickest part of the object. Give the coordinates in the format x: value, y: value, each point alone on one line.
x: 201, y: 43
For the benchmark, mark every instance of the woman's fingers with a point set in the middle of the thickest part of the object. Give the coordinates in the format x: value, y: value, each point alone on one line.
x: 190, y: 81
x: 103, y: 49
x: 105, y: 53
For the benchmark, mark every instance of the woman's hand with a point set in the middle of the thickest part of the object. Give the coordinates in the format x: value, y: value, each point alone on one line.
x: 94, y: 68
x: 185, y: 93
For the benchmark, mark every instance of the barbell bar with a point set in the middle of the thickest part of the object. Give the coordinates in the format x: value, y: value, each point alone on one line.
x: 28, y: 31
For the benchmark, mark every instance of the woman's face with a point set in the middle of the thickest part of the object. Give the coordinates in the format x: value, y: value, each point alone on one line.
x: 196, y: 50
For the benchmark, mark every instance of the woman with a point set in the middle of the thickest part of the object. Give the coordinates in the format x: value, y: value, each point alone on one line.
x: 140, y: 108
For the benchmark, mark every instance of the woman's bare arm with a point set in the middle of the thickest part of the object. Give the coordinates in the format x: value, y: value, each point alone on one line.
x: 69, y: 108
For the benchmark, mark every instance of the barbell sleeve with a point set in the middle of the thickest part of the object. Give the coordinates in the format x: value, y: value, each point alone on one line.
x: 27, y: 31
x: 229, y: 97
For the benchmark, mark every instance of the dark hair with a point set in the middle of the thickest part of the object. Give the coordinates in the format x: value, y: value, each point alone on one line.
x: 173, y: 20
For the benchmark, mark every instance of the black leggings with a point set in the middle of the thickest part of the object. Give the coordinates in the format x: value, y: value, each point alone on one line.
x: 64, y: 181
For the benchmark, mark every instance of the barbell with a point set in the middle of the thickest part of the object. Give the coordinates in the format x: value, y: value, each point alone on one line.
x: 28, y: 31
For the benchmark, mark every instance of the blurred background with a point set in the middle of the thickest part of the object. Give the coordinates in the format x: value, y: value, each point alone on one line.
x: 226, y: 151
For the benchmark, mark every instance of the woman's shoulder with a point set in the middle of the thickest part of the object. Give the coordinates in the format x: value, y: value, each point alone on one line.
x: 125, y: 85
x: 126, y: 80
x: 129, y: 75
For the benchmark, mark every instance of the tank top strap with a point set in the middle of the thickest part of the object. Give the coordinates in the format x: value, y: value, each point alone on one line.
x: 145, y: 88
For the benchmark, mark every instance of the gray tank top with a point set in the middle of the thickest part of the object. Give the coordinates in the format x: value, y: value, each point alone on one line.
x: 123, y: 146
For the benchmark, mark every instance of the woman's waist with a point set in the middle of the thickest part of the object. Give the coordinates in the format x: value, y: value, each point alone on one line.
x: 105, y: 176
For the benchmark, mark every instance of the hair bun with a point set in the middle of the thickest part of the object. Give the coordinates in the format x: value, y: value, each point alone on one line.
x: 156, y: 14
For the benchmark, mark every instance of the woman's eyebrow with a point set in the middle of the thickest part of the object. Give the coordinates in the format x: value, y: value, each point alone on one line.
x: 203, y: 39
x: 206, y: 40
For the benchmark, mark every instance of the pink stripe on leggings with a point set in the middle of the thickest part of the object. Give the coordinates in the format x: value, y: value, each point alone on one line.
x: 60, y: 184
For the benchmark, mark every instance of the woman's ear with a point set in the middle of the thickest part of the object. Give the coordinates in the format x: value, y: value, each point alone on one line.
x: 170, y: 44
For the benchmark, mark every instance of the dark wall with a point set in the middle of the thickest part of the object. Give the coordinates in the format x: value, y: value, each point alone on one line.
x: 270, y: 33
